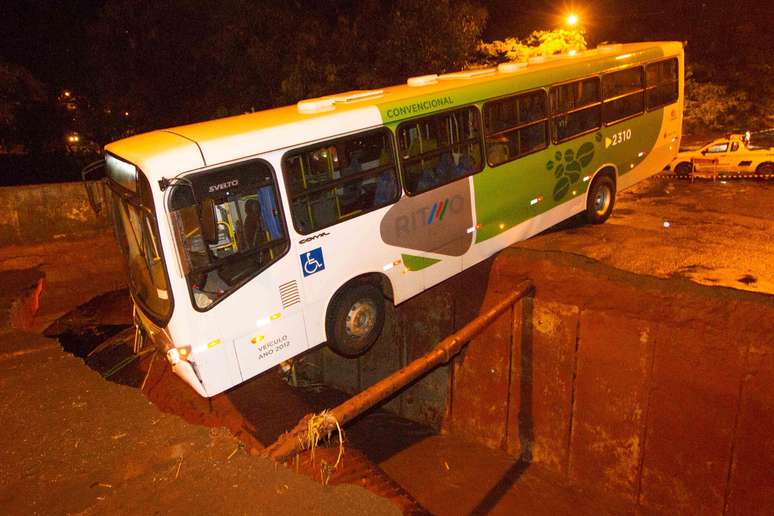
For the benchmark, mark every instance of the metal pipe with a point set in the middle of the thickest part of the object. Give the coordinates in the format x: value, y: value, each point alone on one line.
x: 294, y: 442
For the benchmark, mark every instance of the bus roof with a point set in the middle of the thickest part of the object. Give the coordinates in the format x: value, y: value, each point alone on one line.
x: 232, y: 138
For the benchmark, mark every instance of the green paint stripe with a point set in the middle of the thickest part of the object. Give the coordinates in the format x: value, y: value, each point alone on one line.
x: 445, y: 205
x: 417, y: 263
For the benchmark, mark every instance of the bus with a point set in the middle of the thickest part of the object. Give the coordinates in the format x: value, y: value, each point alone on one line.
x: 251, y: 239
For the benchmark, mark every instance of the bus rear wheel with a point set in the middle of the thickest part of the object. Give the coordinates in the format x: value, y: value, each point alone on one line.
x: 355, y: 320
x: 600, y: 201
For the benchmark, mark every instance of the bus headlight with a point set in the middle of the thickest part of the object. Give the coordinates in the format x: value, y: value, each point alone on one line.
x: 175, y: 355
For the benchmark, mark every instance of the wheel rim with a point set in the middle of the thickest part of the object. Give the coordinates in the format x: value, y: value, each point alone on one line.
x: 602, y: 200
x: 361, y: 318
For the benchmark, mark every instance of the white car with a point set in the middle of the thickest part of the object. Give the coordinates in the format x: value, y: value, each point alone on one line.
x: 732, y: 154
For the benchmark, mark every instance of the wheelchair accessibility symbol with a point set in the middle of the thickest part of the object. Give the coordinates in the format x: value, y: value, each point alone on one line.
x: 312, y: 261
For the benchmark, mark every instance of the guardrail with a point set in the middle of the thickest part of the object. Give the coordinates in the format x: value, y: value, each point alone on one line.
x: 304, y: 435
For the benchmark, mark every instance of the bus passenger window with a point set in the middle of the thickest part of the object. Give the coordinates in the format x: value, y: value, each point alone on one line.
x: 623, y: 95
x: 661, y: 83
x: 515, y: 126
x: 438, y: 149
x: 575, y: 108
x: 340, y: 180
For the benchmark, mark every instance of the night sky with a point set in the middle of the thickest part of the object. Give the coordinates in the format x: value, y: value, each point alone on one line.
x: 48, y: 37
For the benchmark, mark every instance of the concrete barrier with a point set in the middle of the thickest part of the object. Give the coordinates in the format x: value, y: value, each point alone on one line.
x: 38, y: 213
x: 660, y: 391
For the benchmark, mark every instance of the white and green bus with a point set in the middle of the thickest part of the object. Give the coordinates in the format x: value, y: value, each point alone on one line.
x: 253, y: 238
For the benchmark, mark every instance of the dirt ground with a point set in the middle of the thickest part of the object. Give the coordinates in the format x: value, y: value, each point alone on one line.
x: 72, y: 442
x: 714, y: 233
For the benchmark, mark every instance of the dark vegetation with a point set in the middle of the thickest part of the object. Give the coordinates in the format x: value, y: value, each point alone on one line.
x: 135, y: 65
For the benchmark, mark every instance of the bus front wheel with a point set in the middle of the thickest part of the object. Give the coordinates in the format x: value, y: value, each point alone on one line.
x: 355, y: 320
x: 600, y: 201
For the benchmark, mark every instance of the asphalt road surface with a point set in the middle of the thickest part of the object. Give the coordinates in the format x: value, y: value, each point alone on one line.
x: 714, y: 233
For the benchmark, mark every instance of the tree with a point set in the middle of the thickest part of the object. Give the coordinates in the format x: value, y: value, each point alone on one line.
x: 539, y: 43
x: 712, y: 107
x: 166, y: 62
x: 30, y: 117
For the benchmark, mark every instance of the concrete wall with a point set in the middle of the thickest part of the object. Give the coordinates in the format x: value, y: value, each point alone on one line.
x: 38, y: 213
x: 657, y: 390
x: 410, y: 330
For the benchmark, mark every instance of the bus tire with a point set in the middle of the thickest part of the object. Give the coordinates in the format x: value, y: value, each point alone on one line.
x: 601, y: 199
x: 355, y: 320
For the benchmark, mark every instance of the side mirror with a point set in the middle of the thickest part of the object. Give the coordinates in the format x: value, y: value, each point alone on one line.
x: 94, y: 186
x: 208, y: 221
x: 704, y: 151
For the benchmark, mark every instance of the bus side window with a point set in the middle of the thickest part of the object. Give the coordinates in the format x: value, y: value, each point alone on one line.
x: 661, y: 83
x: 623, y: 95
x: 438, y: 149
x: 576, y: 108
x: 515, y: 126
x: 340, y: 179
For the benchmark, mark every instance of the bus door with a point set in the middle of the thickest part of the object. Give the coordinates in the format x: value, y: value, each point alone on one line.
x: 438, y: 152
x: 229, y: 225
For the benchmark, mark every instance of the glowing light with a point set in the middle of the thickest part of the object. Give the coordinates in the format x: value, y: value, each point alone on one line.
x: 66, y: 93
x: 572, y: 52
x: 667, y: 224
x: 471, y: 229
x: 387, y: 267
x: 585, y: 179
x: 502, y: 226
x: 572, y: 19
x: 173, y: 355
x: 641, y: 154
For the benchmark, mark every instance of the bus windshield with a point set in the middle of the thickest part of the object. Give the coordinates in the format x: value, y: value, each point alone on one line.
x: 228, y: 227
x: 137, y: 235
